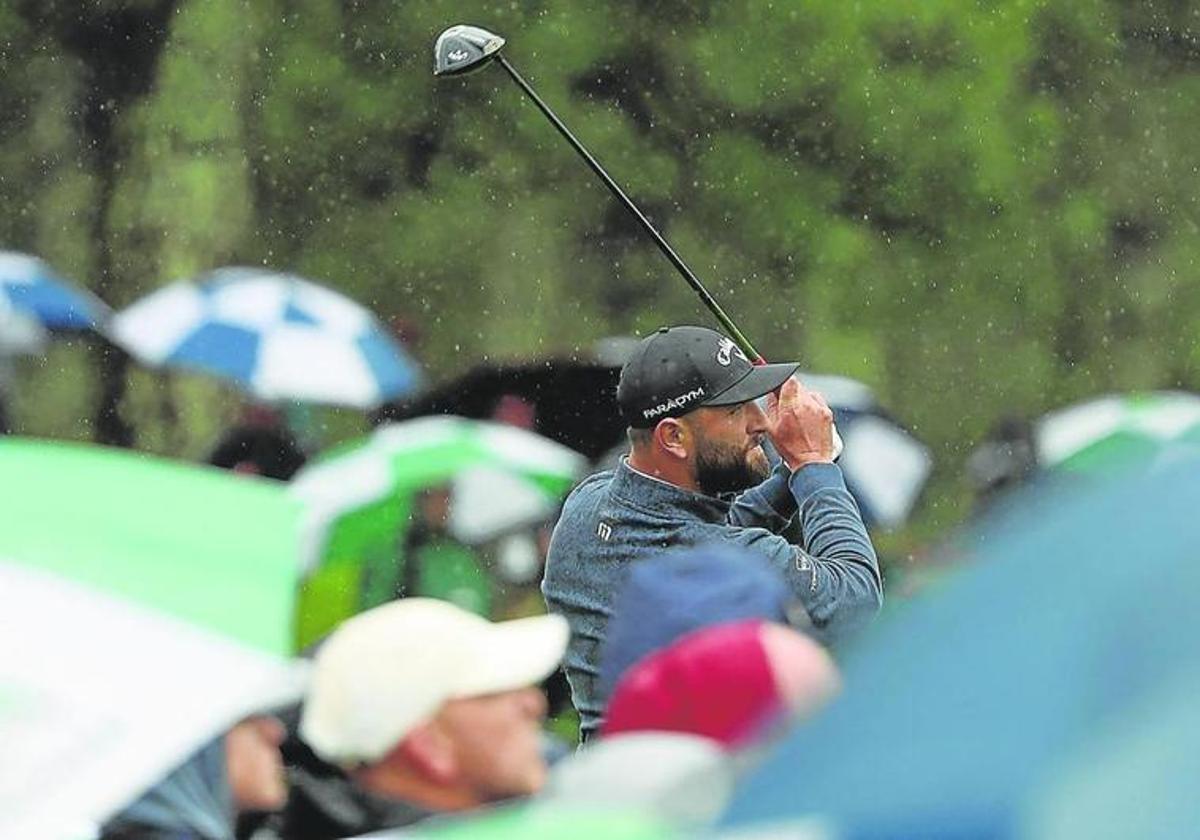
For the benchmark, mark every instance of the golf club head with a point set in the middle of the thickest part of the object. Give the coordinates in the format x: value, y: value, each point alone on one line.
x: 463, y: 49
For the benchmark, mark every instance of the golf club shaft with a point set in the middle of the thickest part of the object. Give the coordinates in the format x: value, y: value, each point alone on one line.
x: 663, y: 245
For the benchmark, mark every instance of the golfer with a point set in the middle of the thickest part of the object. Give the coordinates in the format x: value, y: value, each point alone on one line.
x: 696, y: 433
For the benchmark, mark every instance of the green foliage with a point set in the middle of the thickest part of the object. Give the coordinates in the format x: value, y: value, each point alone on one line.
x: 979, y: 209
x: 183, y: 201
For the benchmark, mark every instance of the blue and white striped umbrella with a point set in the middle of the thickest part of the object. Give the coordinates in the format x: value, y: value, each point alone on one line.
x: 278, y: 336
x: 20, y: 333
x: 35, y: 289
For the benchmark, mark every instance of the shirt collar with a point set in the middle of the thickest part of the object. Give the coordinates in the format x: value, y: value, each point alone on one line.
x: 647, y: 491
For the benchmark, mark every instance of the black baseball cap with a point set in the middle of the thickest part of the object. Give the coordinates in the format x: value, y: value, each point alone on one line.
x: 679, y: 369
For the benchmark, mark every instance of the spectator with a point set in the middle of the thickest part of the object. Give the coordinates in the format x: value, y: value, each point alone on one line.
x: 259, y: 445
x: 685, y: 780
x: 424, y: 705
x: 202, y: 799
x: 679, y: 592
x: 438, y: 565
x: 1006, y: 459
x: 729, y: 682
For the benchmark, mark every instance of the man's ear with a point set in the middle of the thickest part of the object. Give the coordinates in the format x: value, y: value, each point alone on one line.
x: 428, y: 751
x: 673, y: 437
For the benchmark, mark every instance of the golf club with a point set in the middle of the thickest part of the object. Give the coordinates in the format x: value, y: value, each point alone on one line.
x: 464, y: 49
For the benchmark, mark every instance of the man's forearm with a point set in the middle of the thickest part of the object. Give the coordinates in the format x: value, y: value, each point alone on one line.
x: 845, y: 586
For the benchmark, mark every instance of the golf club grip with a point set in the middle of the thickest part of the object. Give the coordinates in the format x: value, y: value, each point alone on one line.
x: 692, y: 280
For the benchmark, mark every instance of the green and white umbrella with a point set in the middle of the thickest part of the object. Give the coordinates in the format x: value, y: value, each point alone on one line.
x: 145, y: 606
x: 1118, y: 430
x: 358, y: 498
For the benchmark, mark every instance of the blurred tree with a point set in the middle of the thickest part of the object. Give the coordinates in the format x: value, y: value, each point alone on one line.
x: 982, y: 210
x: 110, y: 49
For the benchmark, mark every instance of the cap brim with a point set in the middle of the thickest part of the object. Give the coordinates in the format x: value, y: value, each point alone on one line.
x: 516, y: 654
x: 762, y: 379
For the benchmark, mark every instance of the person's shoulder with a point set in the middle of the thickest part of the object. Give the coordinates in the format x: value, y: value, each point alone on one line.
x: 588, y: 496
x: 595, y: 483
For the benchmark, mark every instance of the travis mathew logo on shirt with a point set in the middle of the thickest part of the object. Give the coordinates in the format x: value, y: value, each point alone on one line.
x: 673, y: 403
x: 805, y: 564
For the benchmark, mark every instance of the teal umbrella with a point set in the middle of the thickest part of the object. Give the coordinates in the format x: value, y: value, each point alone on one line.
x: 1046, y: 691
x: 1117, y: 431
x: 1151, y: 755
x: 144, y: 607
x: 358, y: 499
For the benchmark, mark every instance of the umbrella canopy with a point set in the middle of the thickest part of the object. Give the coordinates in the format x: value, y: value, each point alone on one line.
x: 569, y: 401
x: 144, y: 607
x: 885, y: 466
x: 19, y: 332
x: 984, y: 708
x: 33, y: 287
x: 1117, y: 430
x: 357, y: 498
x: 1155, y: 756
x: 101, y: 696
x: 278, y: 336
x: 212, y: 547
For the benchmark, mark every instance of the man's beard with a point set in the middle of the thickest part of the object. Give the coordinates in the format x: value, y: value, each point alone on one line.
x: 722, y: 470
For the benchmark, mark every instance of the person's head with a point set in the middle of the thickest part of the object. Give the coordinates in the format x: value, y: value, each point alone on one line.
x: 1006, y: 459
x: 729, y: 682
x: 433, y: 505
x: 422, y: 701
x: 235, y: 773
x: 254, y: 764
x: 267, y: 451
x: 682, y: 591
x: 687, y: 395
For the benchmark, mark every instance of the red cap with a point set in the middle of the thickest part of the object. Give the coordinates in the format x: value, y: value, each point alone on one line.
x: 716, y: 682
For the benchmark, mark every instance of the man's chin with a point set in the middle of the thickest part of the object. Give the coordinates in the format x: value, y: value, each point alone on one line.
x: 717, y: 478
x: 757, y: 465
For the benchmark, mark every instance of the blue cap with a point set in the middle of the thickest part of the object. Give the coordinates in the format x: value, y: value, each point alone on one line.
x: 683, y: 591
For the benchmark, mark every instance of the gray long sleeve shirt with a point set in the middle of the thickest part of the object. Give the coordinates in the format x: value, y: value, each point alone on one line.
x: 618, y: 517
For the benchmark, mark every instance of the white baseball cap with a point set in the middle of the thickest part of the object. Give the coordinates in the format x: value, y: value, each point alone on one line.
x: 387, y: 670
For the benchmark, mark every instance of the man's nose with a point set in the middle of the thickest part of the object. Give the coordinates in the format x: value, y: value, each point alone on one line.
x: 533, y: 702
x: 756, y: 419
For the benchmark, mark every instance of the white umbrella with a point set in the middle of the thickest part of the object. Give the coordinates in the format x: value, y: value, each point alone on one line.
x: 100, y: 697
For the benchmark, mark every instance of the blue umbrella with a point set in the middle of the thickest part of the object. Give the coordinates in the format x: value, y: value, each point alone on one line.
x: 278, y: 336
x: 974, y: 712
x: 31, y: 286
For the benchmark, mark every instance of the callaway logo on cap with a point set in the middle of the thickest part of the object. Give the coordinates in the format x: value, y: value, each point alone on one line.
x: 679, y: 369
